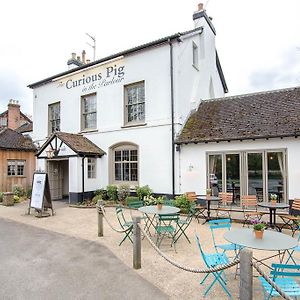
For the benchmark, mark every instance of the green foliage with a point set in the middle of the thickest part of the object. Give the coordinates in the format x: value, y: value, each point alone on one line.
x: 28, y: 192
x: 112, y: 192
x: 131, y: 199
x: 18, y: 191
x: 160, y: 200
x: 149, y: 200
x: 96, y: 198
x: 123, y: 191
x: 101, y: 193
x: 183, y: 203
x: 142, y: 191
x: 1, y: 196
x: 16, y: 199
x: 259, y: 226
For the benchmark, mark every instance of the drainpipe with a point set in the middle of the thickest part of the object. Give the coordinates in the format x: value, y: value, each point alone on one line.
x: 82, y: 174
x: 172, y: 117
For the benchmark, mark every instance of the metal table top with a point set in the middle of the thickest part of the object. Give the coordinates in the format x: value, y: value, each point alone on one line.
x: 274, y: 206
x: 271, y: 241
x: 166, y: 210
x: 208, y: 198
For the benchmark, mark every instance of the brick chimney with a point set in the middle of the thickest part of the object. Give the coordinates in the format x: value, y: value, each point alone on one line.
x: 74, y: 62
x: 83, y: 56
x: 13, y: 115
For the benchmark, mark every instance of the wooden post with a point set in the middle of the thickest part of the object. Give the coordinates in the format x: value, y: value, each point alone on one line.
x: 100, y: 218
x: 246, y: 275
x: 137, y: 249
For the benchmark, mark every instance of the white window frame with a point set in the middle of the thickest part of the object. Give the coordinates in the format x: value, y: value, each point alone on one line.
x: 195, y: 56
x: 91, y: 111
x: 15, y: 163
x: 53, y: 117
x: 91, y: 167
x: 135, y: 117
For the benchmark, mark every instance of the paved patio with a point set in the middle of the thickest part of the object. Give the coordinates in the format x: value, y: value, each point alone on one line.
x: 176, y: 283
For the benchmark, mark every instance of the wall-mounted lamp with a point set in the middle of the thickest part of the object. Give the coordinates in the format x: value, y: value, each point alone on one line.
x: 50, y: 153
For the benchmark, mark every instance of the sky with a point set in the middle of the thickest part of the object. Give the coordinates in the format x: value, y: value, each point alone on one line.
x: 258, y: 41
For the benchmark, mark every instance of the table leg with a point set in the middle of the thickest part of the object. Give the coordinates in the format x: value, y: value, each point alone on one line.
x: 208, y: 212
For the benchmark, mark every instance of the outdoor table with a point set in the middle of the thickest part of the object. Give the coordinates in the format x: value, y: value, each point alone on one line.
x: 208, y: 200
x: 271, y: 241
x: 272, y: 211
x: 153, y: 210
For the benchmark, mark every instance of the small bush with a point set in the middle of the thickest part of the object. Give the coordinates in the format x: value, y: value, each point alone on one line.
x: 28, y: 192
x: 142, y: 191
x: 1, y: 196
x: 183, y: 203
x: 123, y: 191
x: 112, y: 192
x: 131, y: 199
x: 102, y: 193
x: 96, y: 198
x: 18, y: 191
x: 16, y: 199
x: 149, y: 200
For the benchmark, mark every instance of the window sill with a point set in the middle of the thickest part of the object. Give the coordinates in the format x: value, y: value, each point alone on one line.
x: 134, y: 125
x: 89, y: 130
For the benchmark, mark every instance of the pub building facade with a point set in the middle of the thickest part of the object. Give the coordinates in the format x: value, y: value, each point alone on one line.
x: 135, y: 118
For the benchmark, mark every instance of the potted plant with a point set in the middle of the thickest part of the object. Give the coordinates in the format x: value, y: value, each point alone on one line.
x: 208, y: 192
x: 159, y: 202
x: 258, y: 228
x: 273, y: 198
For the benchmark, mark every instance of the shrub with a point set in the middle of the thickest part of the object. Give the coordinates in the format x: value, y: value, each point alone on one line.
x: 102, y: 193
x: 28, y: 192
x: 142, y: 191
x: 112, y: 192
x: 183, y: 203
x: 18, y: 190
x: 131, y: 199
x: 1, y: 196
x: 16, y: 199
x: 123, y: 191
x: 96, y: 198
x: 149, y: 200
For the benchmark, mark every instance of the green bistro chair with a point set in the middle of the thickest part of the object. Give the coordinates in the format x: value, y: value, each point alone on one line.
x: 183, y: 224
x: 211, y: 261
x: 286, y: 277
x: 124, y: 224
x: 169, y: 202
x: 166, y: 227
x: 134, y: 205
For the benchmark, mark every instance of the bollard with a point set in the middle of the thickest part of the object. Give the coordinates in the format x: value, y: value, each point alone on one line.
x: 246, y: 275
x: 100, y: 218
x: 137, y: 249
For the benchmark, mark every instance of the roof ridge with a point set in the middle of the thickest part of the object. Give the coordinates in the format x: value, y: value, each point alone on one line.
x: 251, y: 94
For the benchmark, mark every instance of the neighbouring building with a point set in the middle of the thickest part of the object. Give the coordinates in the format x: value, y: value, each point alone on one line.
x: 17, y: 151
x: 129, y: 107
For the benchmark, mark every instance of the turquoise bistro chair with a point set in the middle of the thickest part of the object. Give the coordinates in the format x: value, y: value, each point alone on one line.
x: 211, y: 261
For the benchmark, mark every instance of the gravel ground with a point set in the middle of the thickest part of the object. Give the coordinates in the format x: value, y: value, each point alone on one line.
x: 178, y: 284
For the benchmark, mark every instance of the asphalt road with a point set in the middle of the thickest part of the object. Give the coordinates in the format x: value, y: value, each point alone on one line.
x: 40, y: 264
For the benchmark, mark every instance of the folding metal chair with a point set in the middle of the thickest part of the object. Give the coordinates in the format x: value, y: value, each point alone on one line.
x: 222, y: 224
x: 183, y: 224
x: 225, y: 205
x: 169, y: 202
x: 124, y: 224
x: 211, y: 261
x: 286, y: 277
x: 200, y: 208
x: 166, y: 227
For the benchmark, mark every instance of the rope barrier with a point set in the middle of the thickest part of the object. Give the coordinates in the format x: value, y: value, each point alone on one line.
x: 271, y: 282
x: 192, y: 270
x: 101, y: 209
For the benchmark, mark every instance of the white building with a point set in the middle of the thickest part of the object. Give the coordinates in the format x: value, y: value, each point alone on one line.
x: 115, y: 120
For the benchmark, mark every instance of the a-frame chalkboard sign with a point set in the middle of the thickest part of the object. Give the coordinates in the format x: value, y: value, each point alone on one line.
x: 40, y: 196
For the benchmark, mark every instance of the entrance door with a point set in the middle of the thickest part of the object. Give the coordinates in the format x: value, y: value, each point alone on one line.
x: 55, y: 179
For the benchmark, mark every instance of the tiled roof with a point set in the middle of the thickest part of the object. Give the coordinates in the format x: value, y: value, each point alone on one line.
x: 77, y: 142
x: 12, y: 140
x: 252, y: 116
x: 27, y: 127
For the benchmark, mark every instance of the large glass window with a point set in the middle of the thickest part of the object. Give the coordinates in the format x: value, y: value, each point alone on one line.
x: 125, y: 164
x: 135, y: 103
x: 54, y: 117
x: 15, y: 167
x: 89, y: 112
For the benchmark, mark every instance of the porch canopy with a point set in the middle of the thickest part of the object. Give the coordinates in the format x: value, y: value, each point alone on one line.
x: 64, y: 145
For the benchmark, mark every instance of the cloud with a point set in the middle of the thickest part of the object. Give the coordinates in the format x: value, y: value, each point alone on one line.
x: 286, y: 73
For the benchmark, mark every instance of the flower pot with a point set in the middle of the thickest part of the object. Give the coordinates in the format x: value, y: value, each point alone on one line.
x: 273, y: 202
x: 208, y: 193
x: 159, y: 206
x: 259, y: 234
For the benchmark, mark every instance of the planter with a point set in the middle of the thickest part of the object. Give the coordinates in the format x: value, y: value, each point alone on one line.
x: 159, y: 206
x: 273, y: 202
x: 8, y: 199
x: 259, y: 234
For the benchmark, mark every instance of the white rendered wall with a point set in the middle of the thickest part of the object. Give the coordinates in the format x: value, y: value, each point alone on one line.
x: 195, y: 155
